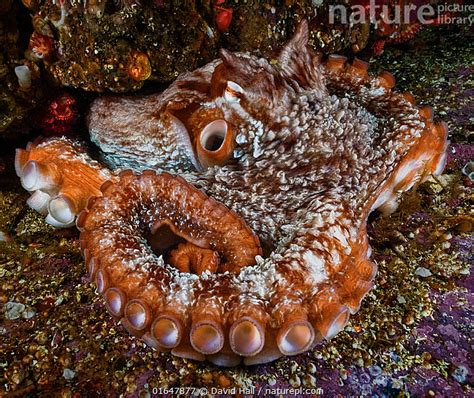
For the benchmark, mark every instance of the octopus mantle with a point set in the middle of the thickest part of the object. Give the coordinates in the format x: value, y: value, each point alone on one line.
x: 274, y: 169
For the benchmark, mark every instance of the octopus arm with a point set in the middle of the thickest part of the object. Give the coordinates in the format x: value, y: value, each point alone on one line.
x: 407, y: 145
x: 61, y: 177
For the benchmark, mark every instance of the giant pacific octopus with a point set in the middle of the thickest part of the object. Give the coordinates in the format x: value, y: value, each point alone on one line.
x: 230, y: 221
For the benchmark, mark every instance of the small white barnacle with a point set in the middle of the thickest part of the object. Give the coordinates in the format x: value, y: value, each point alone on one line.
x: 233, y: 92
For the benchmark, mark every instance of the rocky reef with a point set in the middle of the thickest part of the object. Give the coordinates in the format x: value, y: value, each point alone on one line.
x: 122, y: 46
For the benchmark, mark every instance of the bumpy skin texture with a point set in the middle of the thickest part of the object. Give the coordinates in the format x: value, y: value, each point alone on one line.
x: 316, y: 147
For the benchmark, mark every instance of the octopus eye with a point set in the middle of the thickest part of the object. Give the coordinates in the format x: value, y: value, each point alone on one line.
x: 233, y: 92
x: 215, y: 144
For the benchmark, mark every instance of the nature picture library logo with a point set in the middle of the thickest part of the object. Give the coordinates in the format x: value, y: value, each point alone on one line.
x: 401, y: 12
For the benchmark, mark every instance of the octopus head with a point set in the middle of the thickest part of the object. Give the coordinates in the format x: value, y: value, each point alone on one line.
x: 252, y: 99
x: 212, y: 116
x: 265, y: 87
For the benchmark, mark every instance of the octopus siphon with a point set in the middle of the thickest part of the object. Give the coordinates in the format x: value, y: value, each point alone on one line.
x: 226, y: 219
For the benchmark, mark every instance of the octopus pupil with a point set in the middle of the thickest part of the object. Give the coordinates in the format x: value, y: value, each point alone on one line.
x: 214, y: 142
